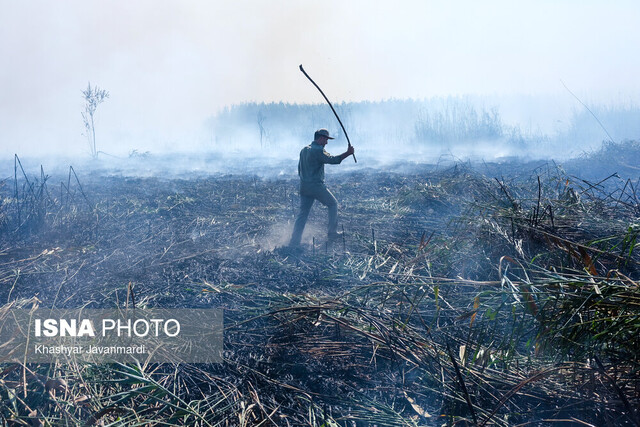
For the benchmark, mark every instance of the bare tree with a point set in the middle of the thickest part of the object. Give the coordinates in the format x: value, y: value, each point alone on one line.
x: 263, y: 132
x: 93, y: 96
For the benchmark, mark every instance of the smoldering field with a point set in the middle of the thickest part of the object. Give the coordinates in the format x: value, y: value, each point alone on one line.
x: 487, y: 293
x: 479, y: 281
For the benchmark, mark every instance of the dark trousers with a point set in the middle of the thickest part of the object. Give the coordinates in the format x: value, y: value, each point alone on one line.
x: 309, y: 194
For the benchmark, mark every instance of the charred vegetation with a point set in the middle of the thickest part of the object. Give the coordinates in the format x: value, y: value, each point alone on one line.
x: 467, y: 294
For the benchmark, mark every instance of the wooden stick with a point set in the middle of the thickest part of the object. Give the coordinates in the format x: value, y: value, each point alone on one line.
x: 332, y: 109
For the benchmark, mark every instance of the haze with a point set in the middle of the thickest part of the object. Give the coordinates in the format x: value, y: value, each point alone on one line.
x: 171, y: 65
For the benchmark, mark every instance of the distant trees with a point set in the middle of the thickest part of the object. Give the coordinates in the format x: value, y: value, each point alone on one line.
x: 434, y: 121
x: 93, y: 96
x: 459, y: 121
x: 436, y: 124
x: 270, y: 123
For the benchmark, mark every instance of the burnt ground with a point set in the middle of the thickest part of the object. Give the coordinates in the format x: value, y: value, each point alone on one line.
x: 170, y: 236
x: 408, y: 320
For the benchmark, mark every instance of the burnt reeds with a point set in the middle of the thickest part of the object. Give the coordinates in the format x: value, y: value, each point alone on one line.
x: 32, y: 208
x: 456, y: 299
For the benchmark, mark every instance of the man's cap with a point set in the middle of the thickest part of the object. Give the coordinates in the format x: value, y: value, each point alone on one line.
x: 322, y: 132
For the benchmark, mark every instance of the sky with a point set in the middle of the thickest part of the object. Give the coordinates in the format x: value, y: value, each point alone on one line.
x: 169, y: 65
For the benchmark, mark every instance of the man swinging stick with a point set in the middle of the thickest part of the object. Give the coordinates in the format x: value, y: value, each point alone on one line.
x: 311, y: 172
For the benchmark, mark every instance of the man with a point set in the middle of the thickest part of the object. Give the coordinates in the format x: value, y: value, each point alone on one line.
x: 311, y: 171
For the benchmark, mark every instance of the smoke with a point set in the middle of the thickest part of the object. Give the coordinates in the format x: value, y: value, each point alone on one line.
x: 276, y: 236
x: 265, y: 139
x: 169, y: 66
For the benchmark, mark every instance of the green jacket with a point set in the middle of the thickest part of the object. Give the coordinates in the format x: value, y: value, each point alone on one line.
x: 311, y: 165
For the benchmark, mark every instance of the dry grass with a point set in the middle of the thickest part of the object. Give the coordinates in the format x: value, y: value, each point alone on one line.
x: 455, y: 298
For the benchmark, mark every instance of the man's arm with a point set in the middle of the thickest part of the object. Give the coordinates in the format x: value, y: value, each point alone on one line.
x: 335, y: 160
x: 347, y: 153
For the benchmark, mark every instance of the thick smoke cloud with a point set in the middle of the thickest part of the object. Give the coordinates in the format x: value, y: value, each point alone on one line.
x: 171, y: 66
